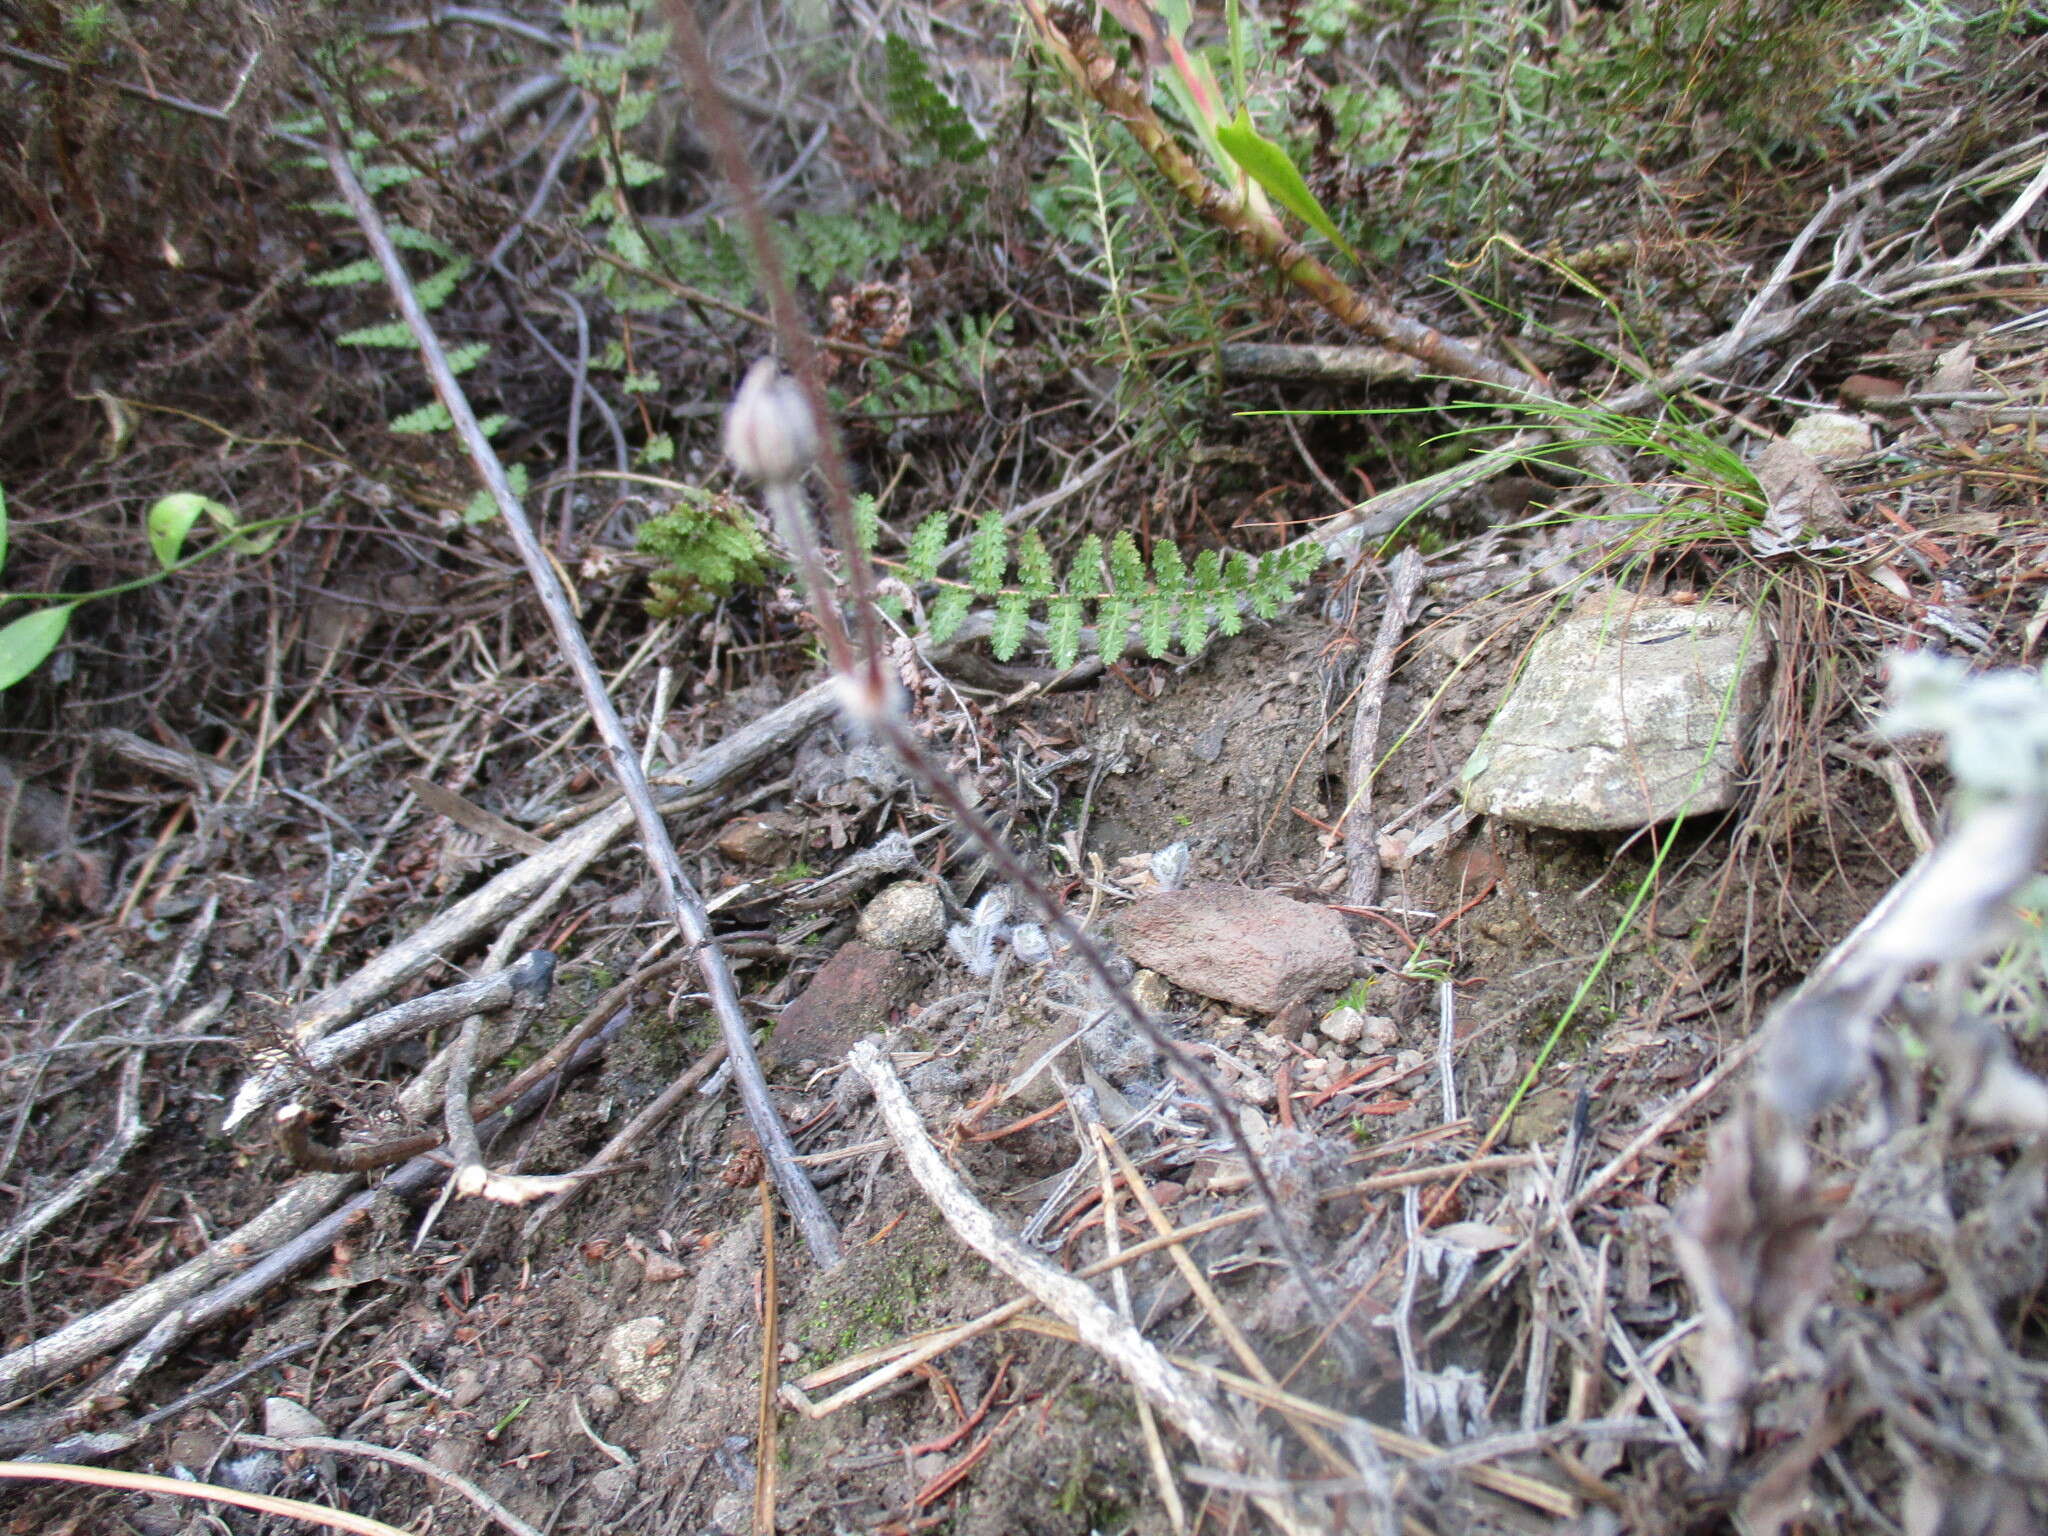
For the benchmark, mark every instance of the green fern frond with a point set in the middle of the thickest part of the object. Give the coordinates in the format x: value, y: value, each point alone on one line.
x: 922, y: 109
x: 393, y: 333
x: 1165, y: 597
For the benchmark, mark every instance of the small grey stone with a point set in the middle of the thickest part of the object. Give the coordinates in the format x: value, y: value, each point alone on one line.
x: 907, y: 916
x: 637, y: 1362
x: 1831, y: 435
x: 1342, y: 1025
x: 465, y: 1386
x: 611, y: 1487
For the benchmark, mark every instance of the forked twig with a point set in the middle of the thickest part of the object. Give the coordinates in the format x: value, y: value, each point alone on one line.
x: 820, y: 1234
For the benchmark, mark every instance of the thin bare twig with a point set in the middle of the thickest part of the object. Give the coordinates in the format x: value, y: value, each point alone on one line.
x: 1361, y: 837
x: 820, y: 1233
x: 1189, y: 1409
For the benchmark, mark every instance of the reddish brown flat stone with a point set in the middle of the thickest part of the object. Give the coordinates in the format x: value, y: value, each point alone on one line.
x: 852, y: 995
x: 1251, y: 949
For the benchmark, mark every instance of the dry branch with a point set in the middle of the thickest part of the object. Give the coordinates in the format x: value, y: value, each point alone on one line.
x: 505, y: 893
x: 1361, y: 837
x: 1183, y: 1404
x: 678, y: 894
x: 241, y: 1265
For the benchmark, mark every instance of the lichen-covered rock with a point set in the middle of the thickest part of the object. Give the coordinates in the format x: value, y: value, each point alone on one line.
x: 1251, y: 949
x: 908, y: 916
x: 1629, y: 711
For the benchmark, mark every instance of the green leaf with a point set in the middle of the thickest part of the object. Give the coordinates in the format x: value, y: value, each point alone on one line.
x: 1084, y: 576
x: 1112, y: 627
x: 1034, y: 567
x: 987, y: 553
x: 949, y: 612
x: 1013, y: 612
x: 1063, y: 631
x: 483, y: 506
x: 431, y: 417
x: 393, y: 333
x: 867, y: 522
x: 1194, y: 626
x: 1268, y: 164
x: 25, y: 642
x: 349, y: 276
x: 463, y: 358
x: 1156, y: 624
x: 927, y: 548
x: 171, y: 519
x: 1169, y: 574
x: 1126, y: 565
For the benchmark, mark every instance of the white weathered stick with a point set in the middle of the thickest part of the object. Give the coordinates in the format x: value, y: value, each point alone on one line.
x: 1169, y: 1389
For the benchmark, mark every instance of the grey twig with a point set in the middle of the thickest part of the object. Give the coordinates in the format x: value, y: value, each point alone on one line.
x: 1361, y: 837
x: 816, y: 1225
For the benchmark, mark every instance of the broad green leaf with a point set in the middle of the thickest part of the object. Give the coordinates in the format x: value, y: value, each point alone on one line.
x: 25, y: 642
x: 1268, y: 164
x: 171, y: 519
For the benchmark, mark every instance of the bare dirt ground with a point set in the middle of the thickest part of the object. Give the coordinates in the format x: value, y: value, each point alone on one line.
x: 231, y: 792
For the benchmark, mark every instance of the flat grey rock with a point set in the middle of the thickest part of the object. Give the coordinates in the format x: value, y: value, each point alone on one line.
x: 1629, y: 711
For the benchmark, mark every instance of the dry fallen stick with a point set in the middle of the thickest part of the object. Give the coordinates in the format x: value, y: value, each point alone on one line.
x: 331, y: 1446
x: 179, y: 1488
x: 486, y: 907
x: 241, y: 1265
x: 525, y: 983
x: 820, y: 1234
x: 1189, y: 1409
x: 1361, y: 837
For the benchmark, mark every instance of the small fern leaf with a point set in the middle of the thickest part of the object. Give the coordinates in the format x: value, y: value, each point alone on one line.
x: 1063, y: 631
x: 351, y: 275
x: 1034, y: 568
x: 949, y: 612
x: 1194, y: 626
x: 1084, y: 576
x: 867, y: 522
x: 1169, y: 572
x: 463, y: 358
x: 1126, y: 565
x: 988, y: 553
x: 431, y: 417
x: 1013, y: 618
x: 1156, y: 624
x: 393, y: 333
x: 1271, y: 588
x: 1208, y: 581
x: 927, y: 548
x: 1112, y: 628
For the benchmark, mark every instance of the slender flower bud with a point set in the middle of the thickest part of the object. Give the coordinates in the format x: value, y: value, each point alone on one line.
x: 770, y: 435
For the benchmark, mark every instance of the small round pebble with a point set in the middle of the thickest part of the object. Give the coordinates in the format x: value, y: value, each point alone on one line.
x: 908, y: 917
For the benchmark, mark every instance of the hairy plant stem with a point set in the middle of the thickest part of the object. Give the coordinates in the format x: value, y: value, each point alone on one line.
x: 868, y: 696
